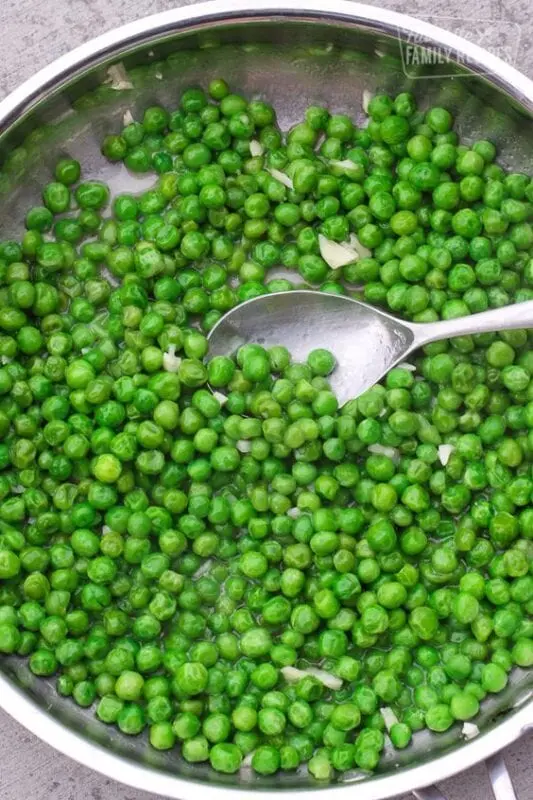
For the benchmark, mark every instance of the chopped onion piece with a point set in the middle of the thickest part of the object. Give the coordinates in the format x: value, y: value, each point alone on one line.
x: 470, y: 730
x: 363, y: 251
x: 367, y: 97
x: 171, y: 362
x: 329, y: 680
x: 256, y: 148
x: 389, y: 717
x: 106, y: 529
x: 246, y: 763
x: 220, y: 397
x: 292, y: 674
x: 347, y: 165
x: 282, y: 177
x: 243, y: 446
x: 334, y: 254
x: 112, y: 279
x: 127, y: 119
x: 118, y: 77
x: 17, y: 488
x: 203, y: 568
x: 382, y: 450
x: 159, y: 76
x: 445, y: 451
x: 293, y: 513
x: 353, y: 775
x: 406, y: 365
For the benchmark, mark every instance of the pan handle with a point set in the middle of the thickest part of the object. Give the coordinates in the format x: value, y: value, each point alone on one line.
x: 429, y: 793
x: 500, y: 780
x: 502, y: 786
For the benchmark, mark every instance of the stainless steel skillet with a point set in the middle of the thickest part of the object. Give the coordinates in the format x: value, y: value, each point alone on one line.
x: 293, y: 53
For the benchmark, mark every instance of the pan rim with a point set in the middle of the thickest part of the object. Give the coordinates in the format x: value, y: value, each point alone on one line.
x: 105, y: 49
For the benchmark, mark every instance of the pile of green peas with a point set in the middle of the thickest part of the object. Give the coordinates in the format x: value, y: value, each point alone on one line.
x: 181, y: 559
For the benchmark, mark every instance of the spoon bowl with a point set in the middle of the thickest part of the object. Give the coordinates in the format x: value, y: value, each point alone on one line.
x: 366, y: 341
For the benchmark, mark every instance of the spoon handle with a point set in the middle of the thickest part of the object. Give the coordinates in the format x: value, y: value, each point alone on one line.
x: 497, y: 319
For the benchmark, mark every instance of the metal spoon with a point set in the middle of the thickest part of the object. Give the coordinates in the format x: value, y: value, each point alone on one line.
x: 366, y: 342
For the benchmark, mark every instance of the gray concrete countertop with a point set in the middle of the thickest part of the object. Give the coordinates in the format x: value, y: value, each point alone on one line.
x: 35, y: 33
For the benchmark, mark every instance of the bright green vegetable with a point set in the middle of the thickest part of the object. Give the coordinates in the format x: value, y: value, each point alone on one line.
x: 258, y: 575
